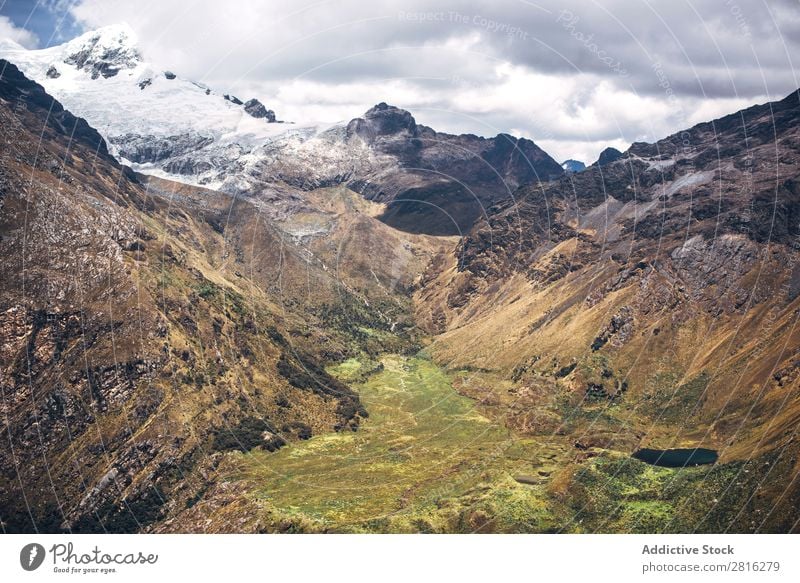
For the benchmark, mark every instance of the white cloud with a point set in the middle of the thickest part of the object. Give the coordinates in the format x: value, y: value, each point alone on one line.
x: 19, y: 35
x: 479, y: 66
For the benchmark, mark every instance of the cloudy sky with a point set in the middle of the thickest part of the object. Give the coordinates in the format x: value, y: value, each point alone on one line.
x: 573, y: 75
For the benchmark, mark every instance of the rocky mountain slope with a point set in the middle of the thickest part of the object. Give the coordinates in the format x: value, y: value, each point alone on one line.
x: 649, y: 301
x: 145, y: 326
x: 437, y: 183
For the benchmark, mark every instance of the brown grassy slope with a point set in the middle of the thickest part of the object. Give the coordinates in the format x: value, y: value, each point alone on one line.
x: 660, y: 291
x: 141, y: 333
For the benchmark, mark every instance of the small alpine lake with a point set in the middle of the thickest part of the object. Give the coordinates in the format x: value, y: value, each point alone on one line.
x: 676, y: 458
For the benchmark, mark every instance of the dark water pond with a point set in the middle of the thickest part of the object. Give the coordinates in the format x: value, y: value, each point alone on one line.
x: 676, y: 458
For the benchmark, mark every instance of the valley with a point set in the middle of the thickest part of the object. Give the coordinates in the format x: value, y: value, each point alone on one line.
x: 422, y: 448
x: 431, y: 460
x: 371, y: 326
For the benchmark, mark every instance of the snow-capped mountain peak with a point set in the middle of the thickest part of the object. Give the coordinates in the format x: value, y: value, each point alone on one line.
x: 105, y: 51
x: 156, y: 120
x: 573, y: 165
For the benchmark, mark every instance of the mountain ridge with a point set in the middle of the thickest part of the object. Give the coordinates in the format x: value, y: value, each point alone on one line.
x: 442, y: 180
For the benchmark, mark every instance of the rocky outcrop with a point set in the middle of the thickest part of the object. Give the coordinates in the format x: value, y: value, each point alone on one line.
x: 383, y: 120
x: 257, y: 110
x: 618, y: 330
x: 152, y: 149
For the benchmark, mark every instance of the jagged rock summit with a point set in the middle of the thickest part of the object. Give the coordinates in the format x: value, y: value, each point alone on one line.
x: 383, y: 120
x: 257, y: 109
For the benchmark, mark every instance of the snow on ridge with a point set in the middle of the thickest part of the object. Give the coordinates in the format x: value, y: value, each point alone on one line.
x: 114, y: 105
x: 151, y: 117
x: 108, y: 38
x: 10, y: 44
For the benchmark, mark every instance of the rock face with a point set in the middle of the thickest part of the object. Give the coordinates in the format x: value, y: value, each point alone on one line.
x: 144, y: 149
x: 104, y: 53
x: 257, y: 110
